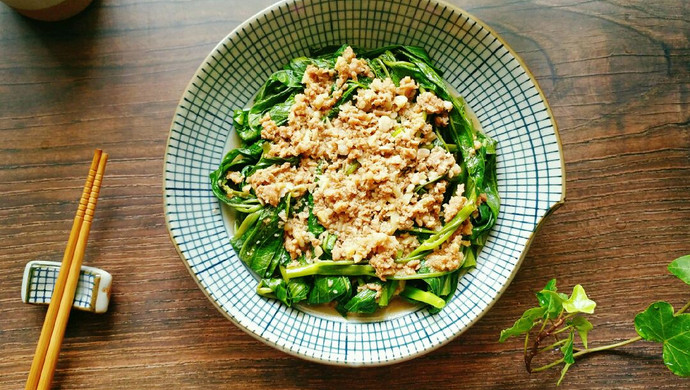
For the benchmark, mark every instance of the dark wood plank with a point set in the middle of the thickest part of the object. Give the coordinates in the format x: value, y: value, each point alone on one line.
x: 615, y: 73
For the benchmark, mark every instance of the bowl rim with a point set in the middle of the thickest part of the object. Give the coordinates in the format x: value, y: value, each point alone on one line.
x: 499, y: 293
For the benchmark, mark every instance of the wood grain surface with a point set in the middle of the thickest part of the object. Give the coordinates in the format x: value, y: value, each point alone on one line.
x: 617, y: 76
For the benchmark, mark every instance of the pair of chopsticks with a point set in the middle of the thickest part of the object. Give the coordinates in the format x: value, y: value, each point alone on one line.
x: 53, y: 331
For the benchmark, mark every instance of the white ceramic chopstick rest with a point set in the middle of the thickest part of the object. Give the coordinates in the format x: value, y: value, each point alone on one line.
x: 93, y: 289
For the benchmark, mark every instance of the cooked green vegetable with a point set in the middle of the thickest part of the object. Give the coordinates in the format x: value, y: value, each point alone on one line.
x: 423, y: 296
x: 363, y: 302
x: 329, y: 288
x: 319, y: 274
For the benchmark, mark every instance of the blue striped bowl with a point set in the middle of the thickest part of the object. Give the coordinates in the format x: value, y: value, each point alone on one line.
x: 476, y: 62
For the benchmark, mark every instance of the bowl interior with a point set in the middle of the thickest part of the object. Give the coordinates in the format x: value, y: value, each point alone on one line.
x: 475, y: 62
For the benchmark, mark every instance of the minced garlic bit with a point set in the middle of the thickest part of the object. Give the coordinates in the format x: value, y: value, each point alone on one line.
x: 373, y: 164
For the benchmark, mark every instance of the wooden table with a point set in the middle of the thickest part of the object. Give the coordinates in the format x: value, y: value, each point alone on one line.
x: 615, y: 74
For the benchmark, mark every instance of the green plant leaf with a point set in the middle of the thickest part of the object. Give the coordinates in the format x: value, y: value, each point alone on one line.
x: 582, y: 326
x: 681, y: 268
x: 550, y: 286
x: 567, y: 349
x: 524, y: 324
x: 578, y: 302
x: 563, y: 371
x: 658, y: 323
x: 551, y: 300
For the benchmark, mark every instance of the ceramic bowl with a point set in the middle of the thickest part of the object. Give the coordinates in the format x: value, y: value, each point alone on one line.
x: 475, y: 61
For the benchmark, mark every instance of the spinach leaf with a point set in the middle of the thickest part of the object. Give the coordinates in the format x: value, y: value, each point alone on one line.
x: 416, y: 52
x: 438, y: 285
x: 470, y: 257
x: 266, y: 162
x: 280, y: 112
x: 401, y: 69
x: 236, y: 159
x: 378, y: 51
x: 363, y: 302
x: 279, y: 96
x: 290, y: 293
x: 274, y: 97
x: 313, y: 225
x: 443, y: 286
x: 331, y: 51
x: 488, y: 211
x: 351, y: 88
x: 261, y: 244
x: 282, y: 257
x: 246, y: 230
x: 401, y: 52
x: 279, y: 82
x: 298, y: 289
x: 387, y: 292
x: 378, y: 68
x: 242, y: 202
x: 462, y: 133
x: 329, y: 288
x: 431, y: 79
x: 252, y: 131
x: 240, y: 121
x: 299, y: 65
x: 228, y: 192
x: 328, y: 243
x: 264, y: 256
x: 482, y: 222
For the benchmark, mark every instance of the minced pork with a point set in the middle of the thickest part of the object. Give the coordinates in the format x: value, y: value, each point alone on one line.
x: 375, y: 155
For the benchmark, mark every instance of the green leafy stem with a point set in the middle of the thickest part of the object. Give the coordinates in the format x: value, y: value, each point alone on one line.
x: 347, y: 268
x: 560, y: 317
x: 598, y: 349
x: 439, y: 237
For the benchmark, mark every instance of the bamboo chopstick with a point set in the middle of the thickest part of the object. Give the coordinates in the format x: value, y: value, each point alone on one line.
x: 72, y: 280
x: 48, y: 324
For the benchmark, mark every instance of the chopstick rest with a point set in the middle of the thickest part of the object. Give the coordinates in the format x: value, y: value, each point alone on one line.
x: 93, y: 288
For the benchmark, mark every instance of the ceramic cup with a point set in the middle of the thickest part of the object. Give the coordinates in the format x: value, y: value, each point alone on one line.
x: 48, y: 10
